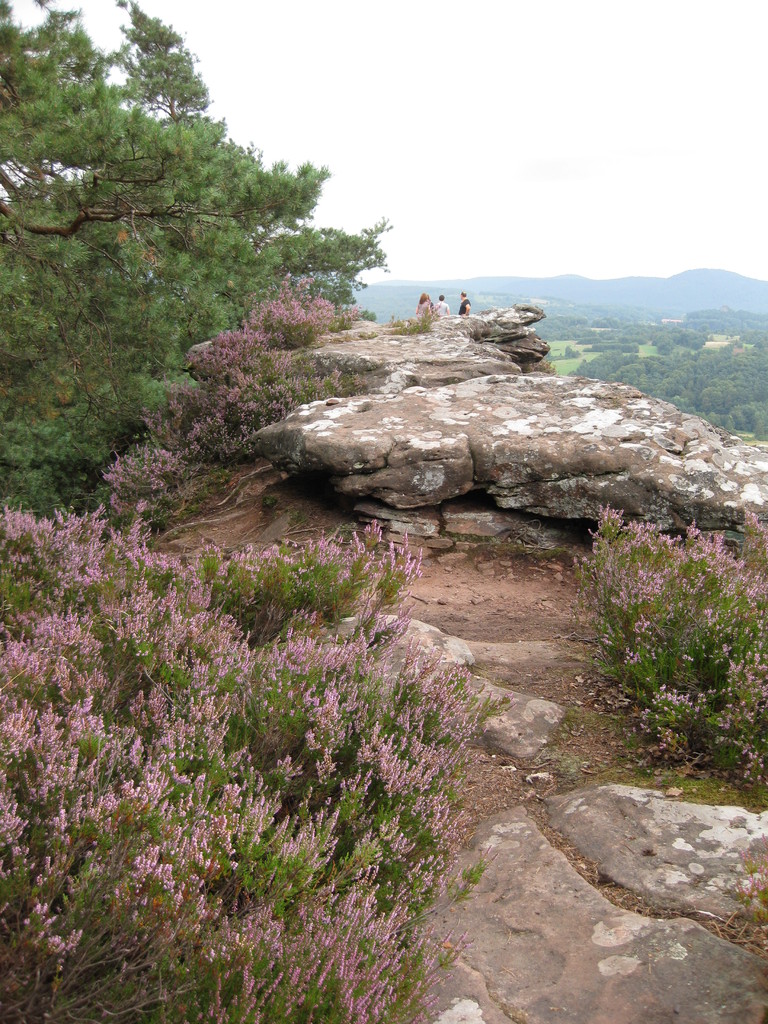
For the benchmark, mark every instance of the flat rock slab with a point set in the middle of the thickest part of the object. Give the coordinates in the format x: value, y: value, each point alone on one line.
x: 395, y: 362
x: 435, y: 642
x: 507, y: 662
x: 524, y: 724
x: 560, y: 447
x: 547, y: 948
x: 682, y: 856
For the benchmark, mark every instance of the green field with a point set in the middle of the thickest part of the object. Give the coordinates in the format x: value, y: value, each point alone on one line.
x: 561, y: 364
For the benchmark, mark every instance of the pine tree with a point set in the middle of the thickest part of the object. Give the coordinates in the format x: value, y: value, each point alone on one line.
x: 131, y: 227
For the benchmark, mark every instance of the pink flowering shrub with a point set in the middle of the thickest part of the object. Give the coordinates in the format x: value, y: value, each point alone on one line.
x: 199, y: 826
x: 343, y: 319
x: 148, y: 475
x: 683, y: 626
x: 242, y: 385
x: 321, y: 579
x: 753, y: 890
x: 243, y: 381
x: 293, y: 318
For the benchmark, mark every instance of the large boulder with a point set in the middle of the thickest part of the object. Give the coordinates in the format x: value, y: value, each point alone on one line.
x: 559, y: 447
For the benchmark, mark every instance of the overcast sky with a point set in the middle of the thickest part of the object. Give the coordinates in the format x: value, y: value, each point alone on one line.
x: 605, y: 138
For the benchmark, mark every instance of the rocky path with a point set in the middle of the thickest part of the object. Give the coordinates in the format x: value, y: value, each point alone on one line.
x: 600, y: 903
x: 591, y: 904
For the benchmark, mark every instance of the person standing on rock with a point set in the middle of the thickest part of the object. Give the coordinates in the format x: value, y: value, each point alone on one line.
x: 465, y: 306
x: 424, y: 306
x: 442, y: 308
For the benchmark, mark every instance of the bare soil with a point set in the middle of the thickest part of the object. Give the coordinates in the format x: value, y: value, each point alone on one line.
x: 517, y: 612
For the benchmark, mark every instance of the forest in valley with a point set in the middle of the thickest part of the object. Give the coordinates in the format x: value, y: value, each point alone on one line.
x: 711, y: 363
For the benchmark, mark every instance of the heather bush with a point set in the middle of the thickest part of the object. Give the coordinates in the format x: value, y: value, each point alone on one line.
x: 344, y: 318
x: 242, y: 381
x: 198, y: 825
x: 147, y: 476
x: 322, y: 578
x: 421, y: 324
x: 682, y: 626
x: 753, y: 890
x: 242, y: 385
x: 293, y: 318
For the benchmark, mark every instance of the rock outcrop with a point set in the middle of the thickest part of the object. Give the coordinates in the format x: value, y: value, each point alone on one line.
x: 386, y: 360
x: 543, y: 946
x: 436, y: 425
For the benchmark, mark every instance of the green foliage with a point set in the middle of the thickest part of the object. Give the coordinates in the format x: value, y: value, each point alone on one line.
x: 130, y: 229
x: 728, y: 321
x: 243, y: 381
x: 263, y: 597
x: 681, y: 626
x: 344, y: 319
x: 421, y: 324
x: 753, y: 891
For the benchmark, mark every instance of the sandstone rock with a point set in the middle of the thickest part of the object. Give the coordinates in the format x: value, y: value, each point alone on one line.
x: 511, y: 330
x: 545, y: 947
x: 558, y: 447
x: 511, y: 662
x: 523, y: 724
x: 456, y: 349
x: 421, y: 523
x: 464, y: 518
x: 471, y: 519
x: 680, y: 855
x: 433, y: 641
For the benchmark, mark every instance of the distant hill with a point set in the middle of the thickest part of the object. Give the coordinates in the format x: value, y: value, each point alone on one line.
x: 653, y: 296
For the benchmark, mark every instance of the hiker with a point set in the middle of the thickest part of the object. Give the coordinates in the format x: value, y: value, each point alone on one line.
x: 465, y: 306
x: 424, y: 306
x: 442, y: 308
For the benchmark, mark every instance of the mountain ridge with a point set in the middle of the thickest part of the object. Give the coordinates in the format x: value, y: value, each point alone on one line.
x: 686, y: 292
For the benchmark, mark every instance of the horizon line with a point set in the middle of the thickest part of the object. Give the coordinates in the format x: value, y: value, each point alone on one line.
x: 456, y: 281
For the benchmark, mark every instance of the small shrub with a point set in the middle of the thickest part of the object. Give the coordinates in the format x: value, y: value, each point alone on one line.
x: 753, y: 890
x: 264, y: 591
x: 146, y: 476
x: 294, y: 318
x: 544, y: 366
x: 682, y: 626
x: 421, y: 324
x: 243, y: 381
x: 243, y: 385
x: 344, y: 319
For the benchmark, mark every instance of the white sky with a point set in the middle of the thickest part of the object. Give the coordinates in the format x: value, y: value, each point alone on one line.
x: 605, y: 138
